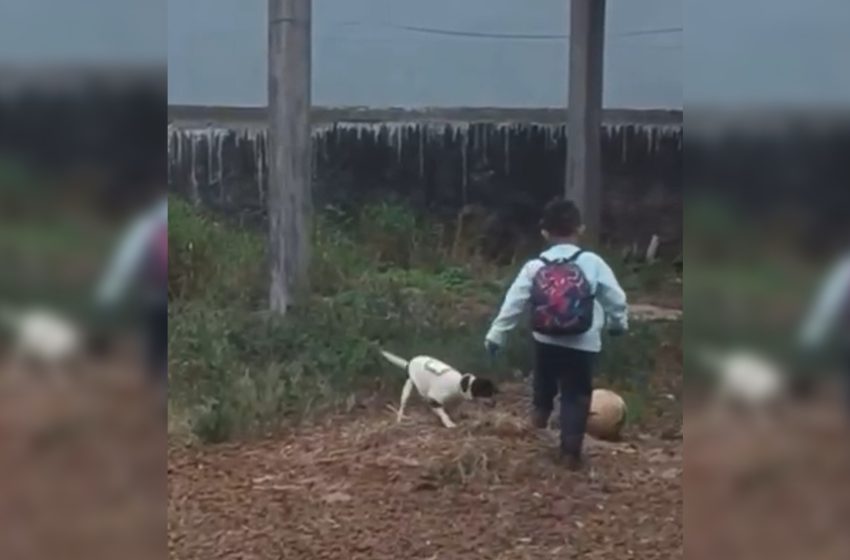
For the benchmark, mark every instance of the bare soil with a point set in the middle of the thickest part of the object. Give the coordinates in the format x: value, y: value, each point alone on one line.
x: 81, y: 466
x: 768, y: 487
x: 359, y: 486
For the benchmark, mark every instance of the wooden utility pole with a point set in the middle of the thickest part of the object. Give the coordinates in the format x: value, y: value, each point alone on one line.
x: 584, y: 112
x: 289, y: 174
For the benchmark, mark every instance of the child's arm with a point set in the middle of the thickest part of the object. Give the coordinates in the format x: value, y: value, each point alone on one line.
x: 831, y: 299
x: 513, y: 307
x: 612, y: 298
x: 129, y: 256
x: 124, y: 264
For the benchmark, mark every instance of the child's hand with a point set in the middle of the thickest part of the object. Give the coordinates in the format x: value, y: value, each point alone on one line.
x: 492, y: 348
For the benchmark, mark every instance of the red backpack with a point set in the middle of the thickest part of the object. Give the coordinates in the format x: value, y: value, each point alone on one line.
x: 561, y: 298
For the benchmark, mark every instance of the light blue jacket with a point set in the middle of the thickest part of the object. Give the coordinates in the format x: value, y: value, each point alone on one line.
x: 131, y: 254
x: 610, y: 307
x: 831, y: 301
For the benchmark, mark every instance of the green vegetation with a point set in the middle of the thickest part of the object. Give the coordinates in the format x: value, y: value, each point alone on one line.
x: 749, y: 284
x: 51, y: 262
x: 382, y: 278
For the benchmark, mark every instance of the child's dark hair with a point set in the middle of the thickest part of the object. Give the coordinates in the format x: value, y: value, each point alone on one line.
x: 561, y: 218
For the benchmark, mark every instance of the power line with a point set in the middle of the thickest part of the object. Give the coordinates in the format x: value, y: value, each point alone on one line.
x: 642, y: 32
x: 514, y: 36
x: 476, y: 34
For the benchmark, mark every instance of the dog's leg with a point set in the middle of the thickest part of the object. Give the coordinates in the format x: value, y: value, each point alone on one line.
x: 441, y: 414
x: 405, y: 396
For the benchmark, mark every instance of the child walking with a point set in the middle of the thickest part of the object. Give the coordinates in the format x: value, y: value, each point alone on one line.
x: 573, y: 295
x: 829, y: 319
x: 142, y: 260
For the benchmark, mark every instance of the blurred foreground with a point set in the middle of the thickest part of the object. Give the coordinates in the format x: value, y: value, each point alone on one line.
x: 768, y: 487
x: 82, y: 458
x: 81, y: 465
x: 766, y: 455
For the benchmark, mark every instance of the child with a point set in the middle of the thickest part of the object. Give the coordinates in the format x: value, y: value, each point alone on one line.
x: 143, y: 256
x: 571, y: 293
x: 829, y: 314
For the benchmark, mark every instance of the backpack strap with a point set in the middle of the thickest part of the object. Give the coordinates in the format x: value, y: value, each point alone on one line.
x: 570, y: 259
x: 576, y: 255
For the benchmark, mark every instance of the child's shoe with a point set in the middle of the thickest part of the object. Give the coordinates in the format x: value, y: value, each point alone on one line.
x: 573, y: 462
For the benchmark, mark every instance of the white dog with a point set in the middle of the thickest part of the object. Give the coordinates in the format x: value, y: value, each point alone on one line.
x: 438, y: 383
x: 42, y: 337
x: 746, y: 380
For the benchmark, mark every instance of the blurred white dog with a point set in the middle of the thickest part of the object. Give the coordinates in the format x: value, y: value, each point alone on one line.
x: 42, y: 337
x: 745, y: 379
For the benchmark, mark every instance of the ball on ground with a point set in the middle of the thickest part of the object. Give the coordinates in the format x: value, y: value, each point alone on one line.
x: 607, y: 415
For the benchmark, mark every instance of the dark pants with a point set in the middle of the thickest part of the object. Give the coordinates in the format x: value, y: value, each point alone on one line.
x: 569, y: 372
x: 156, y: 334
x: 846, y: 379
x: 847, y: 391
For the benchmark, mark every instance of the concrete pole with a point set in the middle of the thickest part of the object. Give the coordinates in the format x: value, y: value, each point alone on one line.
x: 584, y: 114
x: 290, y: 203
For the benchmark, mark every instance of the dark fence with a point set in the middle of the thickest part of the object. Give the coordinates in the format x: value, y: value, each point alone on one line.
x: 97, y: 131
x: 509, y: 162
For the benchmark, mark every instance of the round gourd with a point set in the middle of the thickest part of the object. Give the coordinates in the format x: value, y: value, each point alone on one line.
x: 607, y: 415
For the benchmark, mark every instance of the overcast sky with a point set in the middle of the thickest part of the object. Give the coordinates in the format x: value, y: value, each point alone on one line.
x: 364, y: 56
x: 83, y: 30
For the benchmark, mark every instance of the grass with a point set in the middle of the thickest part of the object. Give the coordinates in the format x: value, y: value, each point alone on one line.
x: 381, y: 278
x: 52, y: 262
x: 749, y: 285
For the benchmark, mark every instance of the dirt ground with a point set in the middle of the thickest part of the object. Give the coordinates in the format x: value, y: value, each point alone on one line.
x: 360, y: 486
x: 773, y: 487
x: 81, y: 466
x: 357, y: 485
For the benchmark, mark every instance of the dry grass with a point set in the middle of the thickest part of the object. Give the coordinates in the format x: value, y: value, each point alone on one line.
x: 491, y: 445
x: 359, y: 485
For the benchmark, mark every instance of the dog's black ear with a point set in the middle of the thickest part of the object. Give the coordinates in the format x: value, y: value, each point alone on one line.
x: 464, y: 383
x: 483, y: 388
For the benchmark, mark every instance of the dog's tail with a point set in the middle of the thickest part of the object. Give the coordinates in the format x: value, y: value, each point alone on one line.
x: 395, y: 360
